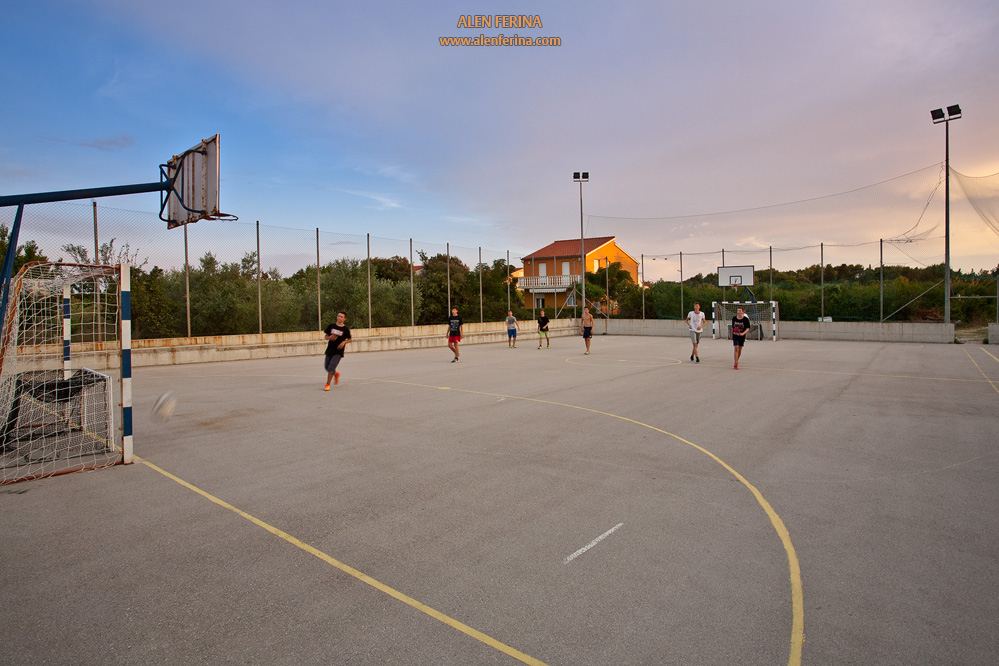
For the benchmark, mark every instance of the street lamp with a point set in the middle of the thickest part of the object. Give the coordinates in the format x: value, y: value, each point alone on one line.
x: 953, y: 113
x: 581, y: 177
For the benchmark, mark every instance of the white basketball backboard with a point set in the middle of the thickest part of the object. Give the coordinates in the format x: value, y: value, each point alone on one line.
x: 196, y: 181
x: 740, y: 276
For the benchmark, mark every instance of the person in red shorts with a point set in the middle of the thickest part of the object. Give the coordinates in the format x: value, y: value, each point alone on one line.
x: 454, y: 323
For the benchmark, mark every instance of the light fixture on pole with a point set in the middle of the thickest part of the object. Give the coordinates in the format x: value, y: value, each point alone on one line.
x: 938, y: 116
x: 581, y: 177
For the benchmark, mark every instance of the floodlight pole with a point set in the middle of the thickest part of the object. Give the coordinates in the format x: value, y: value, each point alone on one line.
x: 581, y: 177
x: 953, y: 113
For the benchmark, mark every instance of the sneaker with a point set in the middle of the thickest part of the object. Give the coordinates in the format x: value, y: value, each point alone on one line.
x: 457, y: 360
x: 336, y: 378
x: 547, y: 346
x: 691, y: 357
x: 539, y: 346
x: 698, y: 359
x: 326, y: 388
x: 736, y: 366
x: 454, y: 360
x: 587, y: 353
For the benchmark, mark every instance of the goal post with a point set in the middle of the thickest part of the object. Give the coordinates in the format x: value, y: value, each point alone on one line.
x: 764, y: 317
x: 65, y: 370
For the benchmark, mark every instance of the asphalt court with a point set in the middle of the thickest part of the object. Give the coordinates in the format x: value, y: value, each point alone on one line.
x: 827, y: 503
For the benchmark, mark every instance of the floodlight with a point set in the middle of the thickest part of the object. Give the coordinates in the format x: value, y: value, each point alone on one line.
x: 954, y: 111
x: 937, y: 115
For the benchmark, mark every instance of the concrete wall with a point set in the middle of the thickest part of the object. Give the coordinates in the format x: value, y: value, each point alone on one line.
x: 799, y: 330
x: 173, y: 351
x: 278, y: 345
x: 994, y: 334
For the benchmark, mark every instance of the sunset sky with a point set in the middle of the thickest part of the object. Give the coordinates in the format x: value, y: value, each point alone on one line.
x: 353, y: 118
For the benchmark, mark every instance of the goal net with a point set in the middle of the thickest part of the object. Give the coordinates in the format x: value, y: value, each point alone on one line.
x: 764, y: 317
x: 62, y: 348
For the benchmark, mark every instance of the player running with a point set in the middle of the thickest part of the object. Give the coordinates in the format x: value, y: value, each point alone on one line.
x: 695, y: 322
x: 454, y: 323
x: 543, y: 330
x: 740, y: 327
x: 337, y: 336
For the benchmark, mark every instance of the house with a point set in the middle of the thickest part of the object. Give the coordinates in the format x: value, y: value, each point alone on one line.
x: 552, y: 274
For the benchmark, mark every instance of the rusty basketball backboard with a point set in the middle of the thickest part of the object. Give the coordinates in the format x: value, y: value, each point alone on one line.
x: 195, y: 192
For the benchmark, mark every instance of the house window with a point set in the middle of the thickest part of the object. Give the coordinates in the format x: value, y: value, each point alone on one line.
x: 596, y: 265
x: 542, y: 269
x: 565, y: 268
x: 539, y: 302
x: 571, y: 301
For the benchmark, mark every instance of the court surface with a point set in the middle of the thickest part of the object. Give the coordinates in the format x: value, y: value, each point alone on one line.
x: 827, y: 503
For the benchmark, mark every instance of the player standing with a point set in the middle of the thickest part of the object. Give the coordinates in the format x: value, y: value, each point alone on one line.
x: 587, y: 325
x: 337, y: 336
x: 511, y: 329
x: 740, y: 327
x: 695, y: 322
x: 543, y: 330
x: 454, y: 323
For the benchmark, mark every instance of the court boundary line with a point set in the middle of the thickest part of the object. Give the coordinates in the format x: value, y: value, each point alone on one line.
x: 794, y: 566
x: 355, y: 573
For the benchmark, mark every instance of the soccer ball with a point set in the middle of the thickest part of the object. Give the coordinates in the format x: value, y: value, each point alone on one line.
x: 164, y: 407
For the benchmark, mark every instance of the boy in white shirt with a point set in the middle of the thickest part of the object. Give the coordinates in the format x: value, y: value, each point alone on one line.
x: 695, y: 322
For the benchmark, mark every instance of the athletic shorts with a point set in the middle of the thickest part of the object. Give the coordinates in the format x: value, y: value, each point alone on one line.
x: 695, y: 336
x: 738, y: 340
x: 543, y: 334
x: 453, y: 338
x: 332, y: 360
x: 587, y: 332
x: 511, y: 332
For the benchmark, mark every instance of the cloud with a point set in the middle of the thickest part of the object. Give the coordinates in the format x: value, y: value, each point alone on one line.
x: 108, y: 144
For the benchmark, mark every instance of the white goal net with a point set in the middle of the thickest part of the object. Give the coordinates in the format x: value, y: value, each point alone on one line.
x: 764, y: 317
x: 61, y: 352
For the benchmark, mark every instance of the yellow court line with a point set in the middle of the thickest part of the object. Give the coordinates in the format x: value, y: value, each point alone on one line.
x: 994, y: 358
x: 364, y: 578
x: 991, y: 383
x: 794, y: 567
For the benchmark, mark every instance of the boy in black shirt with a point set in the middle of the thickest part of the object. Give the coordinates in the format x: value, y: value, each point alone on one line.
x: 740, y: 327
x: 454, y: 323
x: 543, y: 330
x: 337, y: 336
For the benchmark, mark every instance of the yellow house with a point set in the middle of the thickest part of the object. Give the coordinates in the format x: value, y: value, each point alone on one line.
x: 551, y: 274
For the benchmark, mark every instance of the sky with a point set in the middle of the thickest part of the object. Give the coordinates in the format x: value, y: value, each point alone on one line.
x: 352, y: 117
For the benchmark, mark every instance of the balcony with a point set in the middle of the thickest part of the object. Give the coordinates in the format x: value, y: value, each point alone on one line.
x: 547, y: 283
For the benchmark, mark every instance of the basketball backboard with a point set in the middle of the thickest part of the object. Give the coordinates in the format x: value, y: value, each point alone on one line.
x: 195, y: 193
x: 736, y: 276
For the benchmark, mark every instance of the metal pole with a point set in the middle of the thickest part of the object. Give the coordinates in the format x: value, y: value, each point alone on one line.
x: 8, y: 262
x: 881, y: 280
x: 319, y: 296
x: 481, y: 315
x: 260, y: 309
x: 97, y: 251
x: 412, y: 287
x: 582, y: 246
x: 448, y: 279
x: 508, y: 280
x: 187, y: 283
x: 643, y: 286
x: 369, y: 280
x: 822, y: 281
x: 771, y: 273
x: 947, y: 222
x: 681, y: 285
x: 607, y: 275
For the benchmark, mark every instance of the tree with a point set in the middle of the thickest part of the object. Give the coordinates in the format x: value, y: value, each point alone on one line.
x: 26, y: 252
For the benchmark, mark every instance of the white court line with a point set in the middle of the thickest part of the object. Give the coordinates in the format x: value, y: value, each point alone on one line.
x: 592, y: 543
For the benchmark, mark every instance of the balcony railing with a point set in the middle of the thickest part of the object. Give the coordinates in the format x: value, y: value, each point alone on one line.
x: 547, y: 281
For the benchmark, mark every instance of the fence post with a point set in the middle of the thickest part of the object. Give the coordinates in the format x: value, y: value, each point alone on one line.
x: 448, y: 279
x: 881, y: 280
x: 369, y: 280
x: 681, y: 285
x: 319, y: 296
x: 508, y: 280
x: 412, y: 289
x: 643, y: 287
x: 822, y: 281
x: 97, y: 251
x: 187, y: 283
x: 260, y: 309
